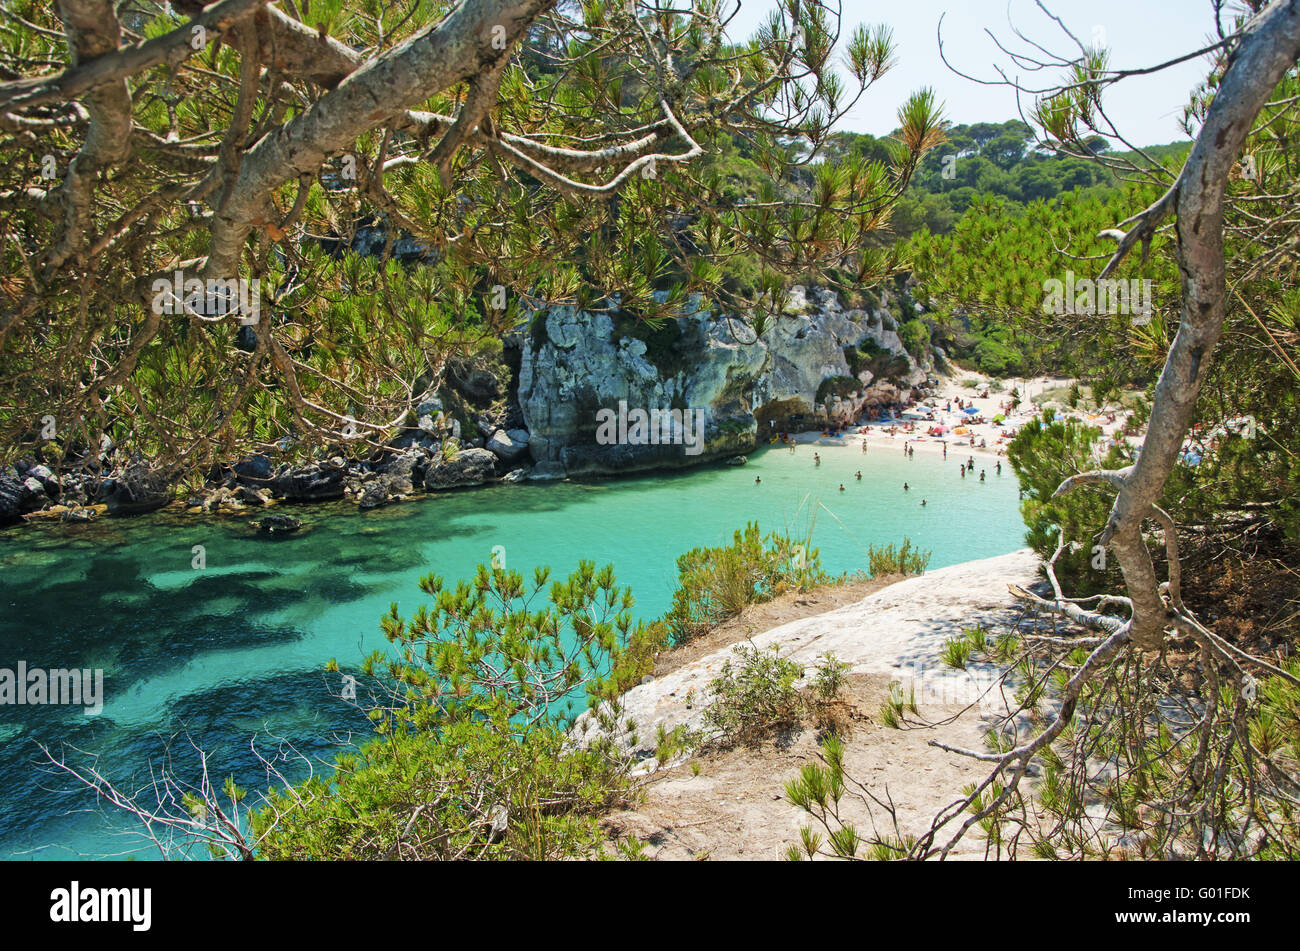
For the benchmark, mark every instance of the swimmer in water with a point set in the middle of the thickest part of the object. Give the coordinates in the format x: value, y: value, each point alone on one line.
x: 758, y: 480
x: 906, y: 487
x: 923, y: 503
x: 841, y: 486
x: 859, y: 475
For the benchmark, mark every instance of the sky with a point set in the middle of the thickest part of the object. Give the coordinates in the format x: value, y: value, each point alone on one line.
x: 1138, y: 33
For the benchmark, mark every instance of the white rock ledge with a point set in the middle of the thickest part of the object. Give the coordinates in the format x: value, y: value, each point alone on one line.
x: 898, y: 631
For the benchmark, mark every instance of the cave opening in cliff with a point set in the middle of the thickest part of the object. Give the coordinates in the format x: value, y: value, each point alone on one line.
x: 783, y: 416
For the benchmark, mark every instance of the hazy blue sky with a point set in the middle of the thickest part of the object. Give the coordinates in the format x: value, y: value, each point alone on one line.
x: 1138, y: 33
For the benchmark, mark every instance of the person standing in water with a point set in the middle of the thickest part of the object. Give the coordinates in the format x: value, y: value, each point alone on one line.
x: 981, y: 475
x: 906, y: 487
x: 923, y: 503
x: 817, y: 459
x: 999, y: 469
x: 841, y: 486
x: 758, y: 480
x: 859, y: 475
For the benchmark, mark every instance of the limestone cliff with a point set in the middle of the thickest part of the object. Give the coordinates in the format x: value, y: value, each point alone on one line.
x: 796, y: 375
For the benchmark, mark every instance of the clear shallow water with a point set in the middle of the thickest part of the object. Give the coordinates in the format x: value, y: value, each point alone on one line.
x: 237, y: 649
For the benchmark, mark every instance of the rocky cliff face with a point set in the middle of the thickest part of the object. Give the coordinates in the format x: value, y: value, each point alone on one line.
x: 574, y: 365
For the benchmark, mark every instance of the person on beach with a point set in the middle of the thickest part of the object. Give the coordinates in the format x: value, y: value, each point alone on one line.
x: 945, y: 449
x: 864, y: 445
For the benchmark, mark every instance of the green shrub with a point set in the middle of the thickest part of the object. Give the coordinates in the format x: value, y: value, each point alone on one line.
x: 891, y: 712
x: 956, y: 652
x: 829, y: 678
x: 896, y: 560
x: 718, y: 583
x: 754, y: 695
x: 915, y: 335
x: 473, y: 757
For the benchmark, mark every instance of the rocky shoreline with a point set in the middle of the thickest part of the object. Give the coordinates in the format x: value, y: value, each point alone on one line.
x: 533, y: 415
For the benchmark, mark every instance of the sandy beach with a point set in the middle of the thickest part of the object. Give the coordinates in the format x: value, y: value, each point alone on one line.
x: 990, y: 441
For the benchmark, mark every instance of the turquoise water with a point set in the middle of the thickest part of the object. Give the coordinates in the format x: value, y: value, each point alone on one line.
x: 233, y: 654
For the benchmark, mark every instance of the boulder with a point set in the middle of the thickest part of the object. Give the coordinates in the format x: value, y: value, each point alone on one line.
x: 255, y: 470
x: 400, y: 472
x: 466, y: 467
x: 277, y: 524
x: 48, y: 480
x: 311, y: 483
x: 475, y: 382
x: 250, y: 496
x: 15, y: 498
x: 138, y: 488
x: 509, y: 446
x: 430, y: 406
x: 375, y: 495
x: 546, y: 472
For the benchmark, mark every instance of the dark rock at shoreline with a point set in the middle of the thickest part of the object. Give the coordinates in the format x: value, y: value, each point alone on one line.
x: 401, y: 473
x: 48, y: 480
x: 467, y: 467
x: 277, y: 524
x: 375, y: 495
x: 137, y: 489
x: 255, y: 469
x: 597, y: 460
x: 16, y: 499
x: 312, y: 483
x: 509, y: 445
x: 546, y: 472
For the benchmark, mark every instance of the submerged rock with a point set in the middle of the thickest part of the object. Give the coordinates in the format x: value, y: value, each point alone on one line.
x: 375, y: 495
x: 277, y: 524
